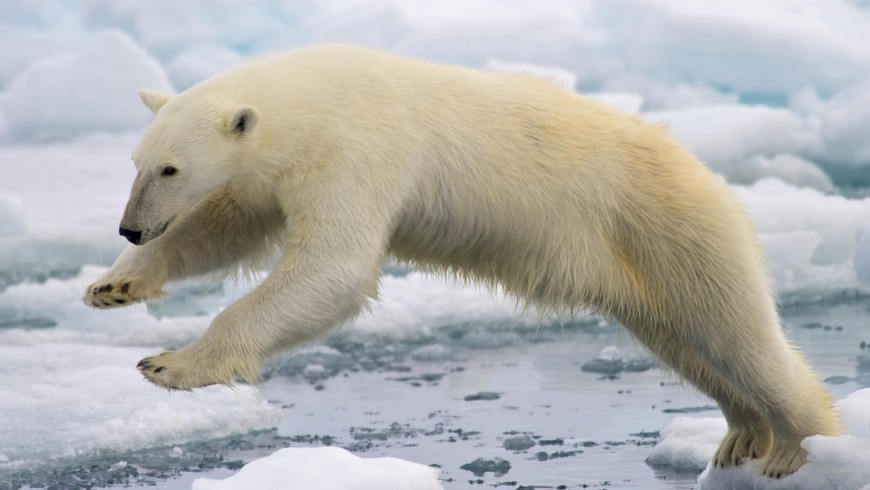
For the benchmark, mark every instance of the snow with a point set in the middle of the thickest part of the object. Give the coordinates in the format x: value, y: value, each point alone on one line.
x: 840, y: 462
x: 688, y: 444
x: 810, y: 237
x: 316, y: 468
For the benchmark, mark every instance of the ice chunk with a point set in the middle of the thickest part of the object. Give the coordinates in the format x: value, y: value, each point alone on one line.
x: 481, y: 466
x: 855, y: 413
x: 835, y: 462
x: 687, y: 444
x: 49, y: 410
x: 658, y: 95
x: 788, y: 168
x: 519, y: 443
x: 843, y: 121
x: 610, y: 361
x: 326, y: 467
x: 809, y: 236
x: 71, y: 94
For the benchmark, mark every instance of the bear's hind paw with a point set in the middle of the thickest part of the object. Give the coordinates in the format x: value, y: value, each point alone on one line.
x: 740, y: 444
x: 784, y: 459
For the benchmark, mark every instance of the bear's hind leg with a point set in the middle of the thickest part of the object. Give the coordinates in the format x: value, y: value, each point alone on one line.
x: 807, y: 412
x: 775, y: 381
x: 748, y: 435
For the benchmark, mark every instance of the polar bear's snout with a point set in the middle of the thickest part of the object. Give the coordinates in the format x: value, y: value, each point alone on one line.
x: 131, y: 235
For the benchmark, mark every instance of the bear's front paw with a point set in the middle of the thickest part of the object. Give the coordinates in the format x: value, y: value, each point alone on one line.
x: 112, y: 293
x: 185, y: 370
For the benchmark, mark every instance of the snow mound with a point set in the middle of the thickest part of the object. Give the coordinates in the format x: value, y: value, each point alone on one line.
x: 686, y: 444
x: 70, y: 94
x: 326, y: 467
x: 841, y: 463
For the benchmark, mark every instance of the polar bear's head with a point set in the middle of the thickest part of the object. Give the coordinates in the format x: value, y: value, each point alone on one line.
x: 191, y: 149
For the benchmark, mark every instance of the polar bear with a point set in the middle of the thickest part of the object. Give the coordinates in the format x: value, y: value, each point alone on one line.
x: 338, y: 156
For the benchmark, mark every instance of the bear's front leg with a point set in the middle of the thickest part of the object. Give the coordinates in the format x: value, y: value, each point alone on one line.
x: 329, y: 269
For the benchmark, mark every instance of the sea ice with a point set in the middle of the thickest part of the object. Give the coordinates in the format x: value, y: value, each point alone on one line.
x: 841, y: 462
x: 326, y: 467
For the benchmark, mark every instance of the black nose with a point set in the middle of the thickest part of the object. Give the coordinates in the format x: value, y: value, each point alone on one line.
x: 132, y: 236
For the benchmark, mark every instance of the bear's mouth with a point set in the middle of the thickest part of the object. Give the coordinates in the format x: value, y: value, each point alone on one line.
x: 156, y: 232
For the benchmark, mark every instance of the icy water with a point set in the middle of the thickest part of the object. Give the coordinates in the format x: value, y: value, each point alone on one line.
x: 494, y: 405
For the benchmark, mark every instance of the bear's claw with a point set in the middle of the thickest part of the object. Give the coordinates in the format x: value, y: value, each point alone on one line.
x: 749, y: 441
x: 784, y: 459
x: 186, y: 370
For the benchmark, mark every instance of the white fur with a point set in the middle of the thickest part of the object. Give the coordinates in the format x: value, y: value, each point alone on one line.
x: 348, y: 155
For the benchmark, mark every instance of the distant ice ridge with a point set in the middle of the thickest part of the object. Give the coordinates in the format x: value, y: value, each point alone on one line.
x: 93, y: 90
x: 738, y: 82
x: 688, y: 444
x: 330, y: 468
x: 811, y: 238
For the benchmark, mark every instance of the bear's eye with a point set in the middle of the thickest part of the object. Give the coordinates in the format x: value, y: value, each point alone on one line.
x: 169, y: 170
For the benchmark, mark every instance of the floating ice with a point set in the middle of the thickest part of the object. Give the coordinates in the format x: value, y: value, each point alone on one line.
x: 326, y: 467
x: 724, y: 135
x: 788, y: 168
x: 843, y: 121
x: 64, y: 397
x: 688, y: 444
x: 809, y: 237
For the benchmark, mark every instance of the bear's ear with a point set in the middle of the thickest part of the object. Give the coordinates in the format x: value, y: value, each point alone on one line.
x: 242, y: 120
x: 154, y: 99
